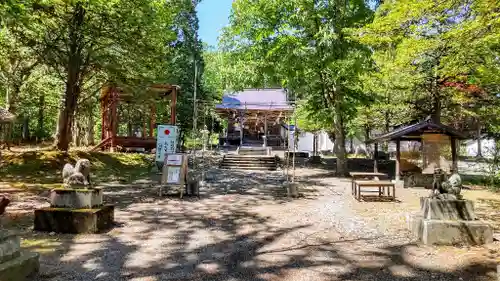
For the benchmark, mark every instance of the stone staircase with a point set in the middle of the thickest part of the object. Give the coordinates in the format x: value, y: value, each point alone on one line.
x: 249, y: 162
x: 16, y: 264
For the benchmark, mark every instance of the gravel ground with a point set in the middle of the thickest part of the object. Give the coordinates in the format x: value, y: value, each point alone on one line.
x: 245, y: 228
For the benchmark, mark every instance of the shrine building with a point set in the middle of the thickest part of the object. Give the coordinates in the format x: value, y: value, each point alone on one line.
x: 255, y: 117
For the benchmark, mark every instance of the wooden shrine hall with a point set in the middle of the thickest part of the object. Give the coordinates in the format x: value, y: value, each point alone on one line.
x: 255, y: 117
x: 438, y: 147
x: 111, y: 100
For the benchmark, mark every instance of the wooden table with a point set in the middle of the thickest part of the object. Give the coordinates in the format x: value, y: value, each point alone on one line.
x: 376, y: 183
x: 365, y: 175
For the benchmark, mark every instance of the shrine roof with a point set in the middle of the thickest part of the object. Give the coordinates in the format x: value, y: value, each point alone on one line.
x: 256, y: 99
x: 415, y: 132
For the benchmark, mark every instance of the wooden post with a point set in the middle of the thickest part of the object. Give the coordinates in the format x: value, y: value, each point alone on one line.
x: 454, y: 153
x: 104, y: 118
x: 398, y: 159
x: 152, y: 121
x: 241, y: 129
x: 241, y: 124
x: 114, y: 120
x: 265, y: 129
x: 375, y: 158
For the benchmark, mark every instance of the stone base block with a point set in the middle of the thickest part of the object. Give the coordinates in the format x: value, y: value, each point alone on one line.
x: 438, y: 209
x: 76, y: 198
x: 10, y: 245
x: 449, y: 232
x: 21, y: 268
x: 66, y: 220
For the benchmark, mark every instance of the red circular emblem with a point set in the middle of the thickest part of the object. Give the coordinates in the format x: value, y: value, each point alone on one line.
x: 167, y: 132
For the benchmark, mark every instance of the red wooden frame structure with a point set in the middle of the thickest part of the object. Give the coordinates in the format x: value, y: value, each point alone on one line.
x: 110, y: 99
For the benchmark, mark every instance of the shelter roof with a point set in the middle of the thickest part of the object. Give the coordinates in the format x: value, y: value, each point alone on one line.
x: 6, y: 116
x: 256, y: 99
x: 415, y: 131
x: 156, y: 91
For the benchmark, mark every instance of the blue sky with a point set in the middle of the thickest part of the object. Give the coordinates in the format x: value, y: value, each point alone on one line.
x: 213, y: 15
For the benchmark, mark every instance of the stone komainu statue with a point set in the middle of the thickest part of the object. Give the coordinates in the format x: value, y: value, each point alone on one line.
x: 446, y: 189
x: 78, y: 175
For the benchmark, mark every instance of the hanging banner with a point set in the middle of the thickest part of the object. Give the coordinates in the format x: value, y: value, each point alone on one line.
x: 166, y: 141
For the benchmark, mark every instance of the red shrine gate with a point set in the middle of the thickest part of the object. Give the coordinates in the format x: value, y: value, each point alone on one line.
x: 111, y: 97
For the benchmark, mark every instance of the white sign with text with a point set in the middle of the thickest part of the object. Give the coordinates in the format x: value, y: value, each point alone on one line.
x: 166, y: 141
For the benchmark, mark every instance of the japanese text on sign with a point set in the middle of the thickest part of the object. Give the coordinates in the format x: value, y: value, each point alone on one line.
x: 166, y: 141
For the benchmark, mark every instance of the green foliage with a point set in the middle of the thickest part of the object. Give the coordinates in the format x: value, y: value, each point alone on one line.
x: 304, y: 46
x: 423, y: 49
x: 56, y: 56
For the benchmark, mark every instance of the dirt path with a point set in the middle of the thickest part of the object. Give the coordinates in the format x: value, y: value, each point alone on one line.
x: 244, y: 228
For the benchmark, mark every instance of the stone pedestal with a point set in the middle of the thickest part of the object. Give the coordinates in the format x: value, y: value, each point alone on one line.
x: 292, y: 189
x: 76, y: 198
x: 16, y: 264
x: 449, y: 222
x: 75, y: 211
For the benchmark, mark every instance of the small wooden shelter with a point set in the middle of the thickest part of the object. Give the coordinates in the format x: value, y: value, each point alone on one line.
x: 433, y: 136
x: 6, y: 125
x: 112, y: 96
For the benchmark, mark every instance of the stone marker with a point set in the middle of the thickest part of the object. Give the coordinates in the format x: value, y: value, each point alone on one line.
x: 16, y: 264
x: 446, y: 219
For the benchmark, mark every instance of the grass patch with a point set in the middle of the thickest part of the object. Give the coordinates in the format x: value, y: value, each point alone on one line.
x: 481, y: 181
x: 42, y: 169
x: 41, y: 245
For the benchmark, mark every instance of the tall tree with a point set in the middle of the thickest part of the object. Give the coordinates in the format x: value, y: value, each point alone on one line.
x: 439, y: 49
x: 306, y: 47
x: 78, y: 39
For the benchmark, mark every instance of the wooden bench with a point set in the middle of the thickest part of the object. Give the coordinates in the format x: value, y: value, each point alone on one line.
x: 382, y: 185
x: 365, y: 175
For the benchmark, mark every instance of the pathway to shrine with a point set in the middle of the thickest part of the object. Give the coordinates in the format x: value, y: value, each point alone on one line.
x: 244, y: 228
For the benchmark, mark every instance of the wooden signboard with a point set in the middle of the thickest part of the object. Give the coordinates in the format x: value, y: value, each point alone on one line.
x: 175, y: 169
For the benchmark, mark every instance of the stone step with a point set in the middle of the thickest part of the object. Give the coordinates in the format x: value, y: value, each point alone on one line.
x: 234, y: 156
x: 248, y: 168
x: 249, y: 161
x: 21, y: 268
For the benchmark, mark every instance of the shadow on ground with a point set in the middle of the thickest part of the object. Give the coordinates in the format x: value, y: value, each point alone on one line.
x: 221, y: 236
x: 201, y: 241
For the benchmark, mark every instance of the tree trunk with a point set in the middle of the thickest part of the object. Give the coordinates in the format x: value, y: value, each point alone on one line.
x: 436, y: 106
x: 367, y: 138
x: 26, y: 128
x: 90, y: 129
x: 387, y: 126
x: 76, y: 132
x: 41, y: 105
x: 73, y: 80
x: 340, y: 150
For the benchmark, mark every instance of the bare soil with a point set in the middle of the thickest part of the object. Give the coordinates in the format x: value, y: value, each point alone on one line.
x: 245, y: 228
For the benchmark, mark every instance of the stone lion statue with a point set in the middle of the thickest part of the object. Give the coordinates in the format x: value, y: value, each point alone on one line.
x: 78, y: 175
x: 443, y: 188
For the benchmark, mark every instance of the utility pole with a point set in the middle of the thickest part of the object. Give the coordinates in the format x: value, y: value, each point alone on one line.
x: 195, y: 113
